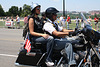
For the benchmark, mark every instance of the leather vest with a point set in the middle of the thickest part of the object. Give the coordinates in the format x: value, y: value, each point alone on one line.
x: 56, y: 27
x: 38, y: 26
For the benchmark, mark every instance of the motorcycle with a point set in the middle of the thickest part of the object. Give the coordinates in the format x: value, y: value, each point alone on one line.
x: 85, y: 44
x: 91, y: 50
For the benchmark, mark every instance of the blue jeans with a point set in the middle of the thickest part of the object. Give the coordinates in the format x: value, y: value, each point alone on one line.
x: 63, y: 43
x: 77, y: 24
x: 67, y: 25
x: 49, y: 43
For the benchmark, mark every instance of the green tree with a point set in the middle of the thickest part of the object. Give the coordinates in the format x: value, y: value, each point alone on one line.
x: 20, y: 11
x: 13, y: 11
x: 2, y: 13
x: 26, y: 10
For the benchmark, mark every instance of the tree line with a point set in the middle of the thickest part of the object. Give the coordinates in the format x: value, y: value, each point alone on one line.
x: 26, y: 10
x: 14, y: 10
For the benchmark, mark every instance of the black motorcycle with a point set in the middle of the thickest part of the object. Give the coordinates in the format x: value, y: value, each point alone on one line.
x: 85, y: 44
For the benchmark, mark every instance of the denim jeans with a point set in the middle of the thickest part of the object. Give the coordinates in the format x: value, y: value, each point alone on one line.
x: 49, y: 43
x: 67, y: 25
x: 61, y: 44
x: 77, y: 25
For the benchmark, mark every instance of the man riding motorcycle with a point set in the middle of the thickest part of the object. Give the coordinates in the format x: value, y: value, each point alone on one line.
x: 51, y: 28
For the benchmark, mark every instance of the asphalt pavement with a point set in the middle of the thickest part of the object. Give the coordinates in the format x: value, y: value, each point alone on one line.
x: 10, y: 40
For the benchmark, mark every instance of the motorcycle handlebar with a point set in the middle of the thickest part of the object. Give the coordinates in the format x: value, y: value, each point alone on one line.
x: 75, y: 32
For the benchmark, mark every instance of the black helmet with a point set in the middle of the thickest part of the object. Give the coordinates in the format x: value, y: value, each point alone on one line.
x: 50, y: 11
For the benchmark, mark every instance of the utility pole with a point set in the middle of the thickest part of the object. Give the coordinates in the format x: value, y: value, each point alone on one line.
x: 32, y: 3
x: 63, y: 7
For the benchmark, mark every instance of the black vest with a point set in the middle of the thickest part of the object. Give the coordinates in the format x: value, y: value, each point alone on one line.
x: 38, y: 26
x: 56, y: 27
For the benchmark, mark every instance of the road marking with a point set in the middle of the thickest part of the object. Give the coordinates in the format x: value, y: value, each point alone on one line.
x: 11, y: 40
x: 8, y: 55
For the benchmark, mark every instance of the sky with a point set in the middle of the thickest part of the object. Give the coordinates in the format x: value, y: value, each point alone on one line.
x: 70, y: 5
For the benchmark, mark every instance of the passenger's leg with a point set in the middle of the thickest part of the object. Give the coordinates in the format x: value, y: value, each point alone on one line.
x: 40, y: 40
x: 50, y: 43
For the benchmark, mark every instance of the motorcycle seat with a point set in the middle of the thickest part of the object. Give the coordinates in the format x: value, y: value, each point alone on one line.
x: 38, y: 46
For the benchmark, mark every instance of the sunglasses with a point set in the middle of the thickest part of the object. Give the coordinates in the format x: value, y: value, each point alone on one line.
x: 38, y: 8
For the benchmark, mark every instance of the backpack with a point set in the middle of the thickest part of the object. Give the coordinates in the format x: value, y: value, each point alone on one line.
x: 25, y: 30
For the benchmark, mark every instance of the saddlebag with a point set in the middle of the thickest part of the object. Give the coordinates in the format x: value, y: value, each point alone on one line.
x: 31, y: 58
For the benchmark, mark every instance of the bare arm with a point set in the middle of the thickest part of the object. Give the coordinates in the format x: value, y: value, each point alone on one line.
x: 60, y: 34
x: 65, y: 30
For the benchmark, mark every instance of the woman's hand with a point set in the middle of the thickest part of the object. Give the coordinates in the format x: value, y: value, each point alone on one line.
x: 45, y: 36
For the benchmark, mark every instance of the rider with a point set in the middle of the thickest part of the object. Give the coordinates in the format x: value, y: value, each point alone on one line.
x: 38, y: 36
x: 58, y: 33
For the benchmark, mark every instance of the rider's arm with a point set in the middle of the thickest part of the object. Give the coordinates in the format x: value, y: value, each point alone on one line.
x: 49, y: 28
x: 65, y: 30
x: 60, y: 34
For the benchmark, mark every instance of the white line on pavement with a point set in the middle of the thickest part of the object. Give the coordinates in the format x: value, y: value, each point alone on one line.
x: 11, y: 39
x: 8, y: 55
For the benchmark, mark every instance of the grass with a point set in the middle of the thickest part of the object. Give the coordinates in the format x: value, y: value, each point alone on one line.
x: 2, y: 24
x: 71, y: 26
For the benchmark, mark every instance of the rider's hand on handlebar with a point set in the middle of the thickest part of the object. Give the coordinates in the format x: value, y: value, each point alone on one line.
x: 74, y: 33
